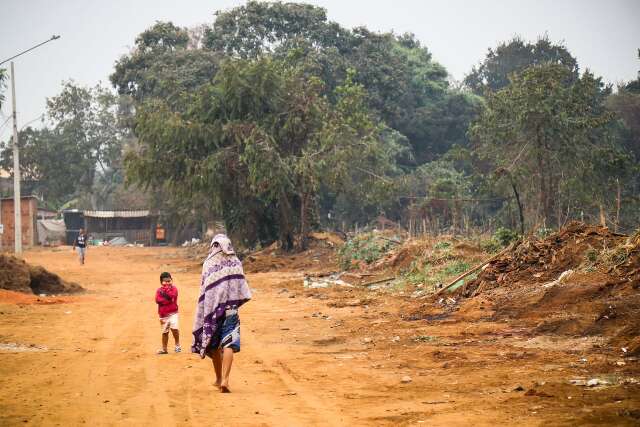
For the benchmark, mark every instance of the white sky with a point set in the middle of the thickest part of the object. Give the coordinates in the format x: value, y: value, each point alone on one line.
x: 603, y: 36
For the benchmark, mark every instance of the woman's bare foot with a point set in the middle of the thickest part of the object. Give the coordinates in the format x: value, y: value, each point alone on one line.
x: 217, y: 384
x: 224, y: 389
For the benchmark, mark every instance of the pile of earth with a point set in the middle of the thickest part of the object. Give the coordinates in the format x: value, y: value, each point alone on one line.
x: 542, y: 260
x: 319, y: 255
x: 582, y: 281
x: 17, y: 275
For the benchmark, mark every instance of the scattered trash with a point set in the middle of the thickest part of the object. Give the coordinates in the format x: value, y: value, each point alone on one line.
x: 425, y: 338
x: 406, y: 379
x: 13, y: 347
x: 560, y: 280
x: 325, y: 282
x: 192, y: 242
x: 118, y: 241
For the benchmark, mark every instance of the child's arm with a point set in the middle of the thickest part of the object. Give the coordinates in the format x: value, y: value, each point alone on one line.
x: 172, y: 293
x: 162, y: 298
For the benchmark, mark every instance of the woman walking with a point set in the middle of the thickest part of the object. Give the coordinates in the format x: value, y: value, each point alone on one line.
x: 223, y: 289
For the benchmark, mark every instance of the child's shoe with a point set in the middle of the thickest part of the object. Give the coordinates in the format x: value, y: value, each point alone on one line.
x: 178, y: 349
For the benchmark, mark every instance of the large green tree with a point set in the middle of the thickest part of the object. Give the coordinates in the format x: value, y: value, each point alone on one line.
x: 256, y: 145
x: 549, y: 130
x: 403, y: 84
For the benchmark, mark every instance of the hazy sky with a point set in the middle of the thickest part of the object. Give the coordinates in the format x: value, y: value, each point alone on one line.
x: 603, y: 35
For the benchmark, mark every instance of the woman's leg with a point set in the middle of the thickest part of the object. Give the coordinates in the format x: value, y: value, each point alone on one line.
x: 217, y: 365
x: 227, y: 361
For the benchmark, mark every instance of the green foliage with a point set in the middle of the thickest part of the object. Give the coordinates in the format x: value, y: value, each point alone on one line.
x: 366, y: 247
x: 499, y: 240
x: 504, y: 236
x: 442, y: 245
x: 403, y: 84
x: 163, y: 66
x: 544, y: 127
x: 255, y: 144
x: 81, y: 148
x: 429, y: 273
x: 490, y: 245
x: 634, y: 85
x: 513, y: 57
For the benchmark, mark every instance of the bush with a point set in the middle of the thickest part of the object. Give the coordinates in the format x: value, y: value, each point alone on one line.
x: 365, y: 247
x: 504, y: 236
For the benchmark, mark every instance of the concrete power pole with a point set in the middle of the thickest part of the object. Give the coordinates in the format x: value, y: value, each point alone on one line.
x: 17, y: 207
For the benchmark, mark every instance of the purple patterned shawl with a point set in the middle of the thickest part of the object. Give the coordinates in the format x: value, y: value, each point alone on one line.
x: 222, y: 284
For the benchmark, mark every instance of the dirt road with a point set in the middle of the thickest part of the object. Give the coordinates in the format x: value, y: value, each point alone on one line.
x: 308, y: 358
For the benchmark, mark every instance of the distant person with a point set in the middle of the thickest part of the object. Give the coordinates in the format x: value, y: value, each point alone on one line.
x: 167, y: 300
x: 223, y: 289
x: 81, y: 242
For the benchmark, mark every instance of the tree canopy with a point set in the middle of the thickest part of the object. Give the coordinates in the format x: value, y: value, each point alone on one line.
x: 514, y: 56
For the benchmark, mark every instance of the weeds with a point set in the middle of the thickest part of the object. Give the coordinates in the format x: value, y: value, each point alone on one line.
x: 365, y: 247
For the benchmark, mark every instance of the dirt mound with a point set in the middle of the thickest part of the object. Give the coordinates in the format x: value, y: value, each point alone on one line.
x: 17, y: 275
x: 319, y: 256
x: 543, y: 260
x: 580, y: 281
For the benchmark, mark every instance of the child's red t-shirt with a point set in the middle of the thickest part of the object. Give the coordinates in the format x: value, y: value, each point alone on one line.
x: 167, y: 300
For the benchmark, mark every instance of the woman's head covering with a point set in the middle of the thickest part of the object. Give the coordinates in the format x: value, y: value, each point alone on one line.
x: 222, y: 284
x: 220, y: 243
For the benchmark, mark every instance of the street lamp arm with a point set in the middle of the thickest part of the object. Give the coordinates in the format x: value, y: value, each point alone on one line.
x: 54, y: 37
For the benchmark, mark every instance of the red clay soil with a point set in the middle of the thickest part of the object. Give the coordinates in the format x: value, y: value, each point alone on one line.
x: 600, y: 298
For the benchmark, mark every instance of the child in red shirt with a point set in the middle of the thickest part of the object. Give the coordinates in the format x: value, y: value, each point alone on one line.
x: 167, y: 300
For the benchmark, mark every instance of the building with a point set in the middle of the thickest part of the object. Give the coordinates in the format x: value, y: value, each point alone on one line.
x: 29, y: 216
x: 137, y: 226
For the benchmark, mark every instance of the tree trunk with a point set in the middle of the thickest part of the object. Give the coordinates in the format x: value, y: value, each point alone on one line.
x: 304, y: 226
x: 285, y: 226
x: 603, y: 217
x: 520, y: 211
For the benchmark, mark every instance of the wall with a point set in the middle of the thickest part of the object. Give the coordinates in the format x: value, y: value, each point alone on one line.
x: 29, y: 209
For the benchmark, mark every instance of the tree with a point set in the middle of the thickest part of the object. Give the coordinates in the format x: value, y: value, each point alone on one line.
x: 82, y: 146
x: 264, y: 28
x: 515, y: 56
x: 634, y: 86
x: 547, y: 128
x: 403, y: 83
x: 48, y: 160
x: 163, y: 65
x: 255, y: 145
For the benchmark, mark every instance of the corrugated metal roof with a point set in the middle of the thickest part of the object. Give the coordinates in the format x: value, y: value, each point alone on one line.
x: 116, y: 214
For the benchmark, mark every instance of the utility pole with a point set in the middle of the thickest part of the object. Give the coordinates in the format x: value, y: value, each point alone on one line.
x: 17, y: 205
x: 16, y: 155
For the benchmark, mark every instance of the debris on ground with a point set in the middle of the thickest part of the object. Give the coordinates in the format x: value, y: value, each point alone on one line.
x: 193, y: 242
x: 324, y: 282
x: 17, y: 275
x: 118, y: 241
